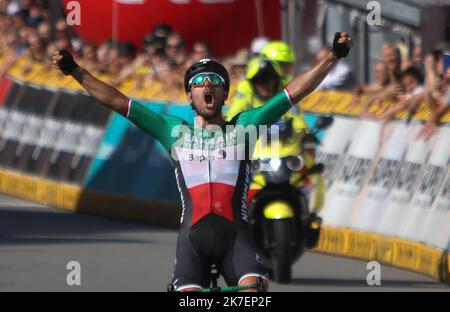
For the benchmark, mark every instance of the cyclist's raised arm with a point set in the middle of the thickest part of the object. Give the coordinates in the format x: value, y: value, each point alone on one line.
x: 105, y: 94
x: 308, y: 82
x: 157, y: 125
x: 300, y: 87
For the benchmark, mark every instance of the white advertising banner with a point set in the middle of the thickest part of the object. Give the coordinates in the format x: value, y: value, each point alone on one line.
x: 351, y: 176
x: 334, y: 146
x: 404, y: 188
x: 372, y: 201
x: 430, y: 184
x: 437, y: 226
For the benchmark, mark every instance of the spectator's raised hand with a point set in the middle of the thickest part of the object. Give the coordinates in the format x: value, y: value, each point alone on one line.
x: 428, y: 61
x: 435, y: 86
x: 393, y: 90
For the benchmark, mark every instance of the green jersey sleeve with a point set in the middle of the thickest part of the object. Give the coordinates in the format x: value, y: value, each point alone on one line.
x: 267, y: 114
x: 155, y: 124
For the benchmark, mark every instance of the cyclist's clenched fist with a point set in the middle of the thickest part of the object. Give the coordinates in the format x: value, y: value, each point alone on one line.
x: 62, y: 60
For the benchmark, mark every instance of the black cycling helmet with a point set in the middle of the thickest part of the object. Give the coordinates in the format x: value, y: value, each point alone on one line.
x: 206, y: 65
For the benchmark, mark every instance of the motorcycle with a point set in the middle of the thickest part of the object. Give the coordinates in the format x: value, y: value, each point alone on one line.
x: 281, y: 224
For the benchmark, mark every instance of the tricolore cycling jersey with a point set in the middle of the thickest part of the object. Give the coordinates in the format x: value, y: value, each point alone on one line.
x: 212, y: 168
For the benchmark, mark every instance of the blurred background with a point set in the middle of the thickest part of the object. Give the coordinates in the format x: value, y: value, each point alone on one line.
x: 128, y: 38
x: 386, y: 155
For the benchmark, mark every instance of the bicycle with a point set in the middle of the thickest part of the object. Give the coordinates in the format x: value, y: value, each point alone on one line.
x: 214, y: 276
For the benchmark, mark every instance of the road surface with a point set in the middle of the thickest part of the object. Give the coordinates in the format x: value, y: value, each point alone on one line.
x: 37, y: 243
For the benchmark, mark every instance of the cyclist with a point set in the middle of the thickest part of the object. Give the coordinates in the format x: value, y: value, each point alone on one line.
x: 212, y: 183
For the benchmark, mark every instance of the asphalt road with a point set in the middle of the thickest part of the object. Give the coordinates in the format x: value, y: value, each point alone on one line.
x: 37, y: 243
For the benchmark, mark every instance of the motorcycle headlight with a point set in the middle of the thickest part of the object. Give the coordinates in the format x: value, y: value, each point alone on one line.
x: 275, y: 163
x: 295, y: 163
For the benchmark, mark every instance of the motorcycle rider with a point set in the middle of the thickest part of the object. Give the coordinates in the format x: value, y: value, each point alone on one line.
x: 264, y: 78
x: 284, y: 56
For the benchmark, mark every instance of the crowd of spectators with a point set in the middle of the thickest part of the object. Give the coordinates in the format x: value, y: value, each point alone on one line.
x: 28, y: 31
x: 404, y: 83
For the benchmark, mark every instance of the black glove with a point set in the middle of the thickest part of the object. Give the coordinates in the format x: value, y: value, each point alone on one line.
x: 339, y: 49
x: 67, y: 64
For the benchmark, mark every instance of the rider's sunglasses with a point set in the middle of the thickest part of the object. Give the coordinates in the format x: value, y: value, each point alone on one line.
x: 200, y: 79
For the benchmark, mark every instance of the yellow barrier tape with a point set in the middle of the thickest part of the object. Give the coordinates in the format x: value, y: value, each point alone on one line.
x: 333, y: 240
x: 399, y: 253
x: 429, y: 260
x: 361, y: 245
x: 329, y: 102
x: 448, y: 268
x: 405, y: 255
x: 74, y: 198
x: 339, y: 102
x: 40, y: 190
x: 385, y: 249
